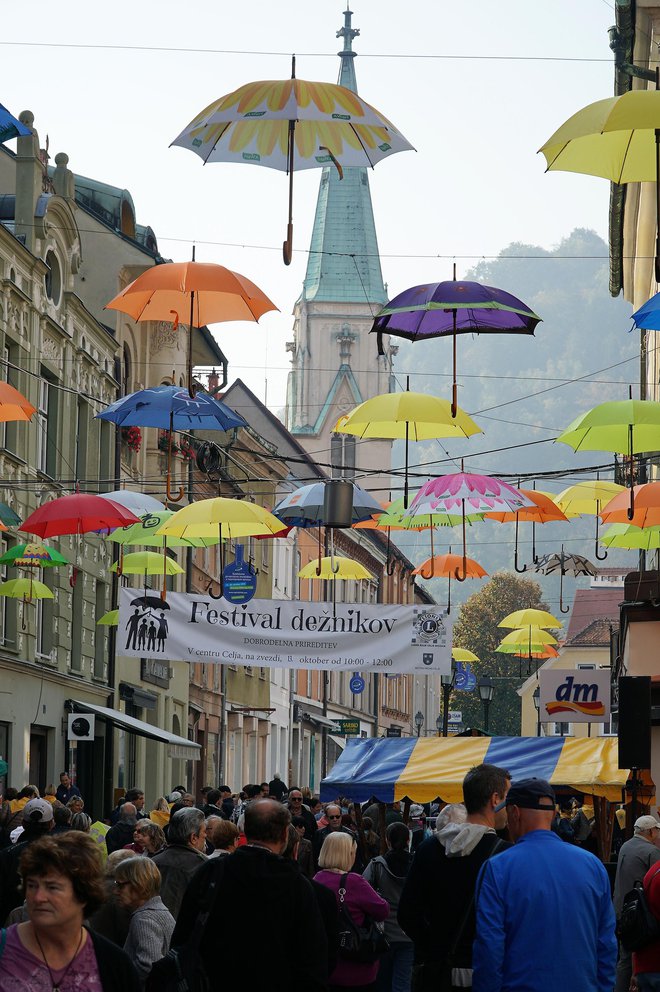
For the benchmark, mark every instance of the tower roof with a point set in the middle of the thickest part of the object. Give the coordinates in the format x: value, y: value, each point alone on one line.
x: 343, y: 264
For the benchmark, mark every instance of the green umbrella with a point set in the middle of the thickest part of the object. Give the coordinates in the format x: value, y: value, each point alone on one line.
x: 147, y: 563
x: 629, y: 536
x: 144, y: 534
x: 109, y: 619
x: 33, y: 556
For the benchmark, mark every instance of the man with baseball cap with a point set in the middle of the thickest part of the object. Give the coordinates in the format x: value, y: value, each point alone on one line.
x: 635, y: 858
x: 544, y: 911
x: 37, y: 821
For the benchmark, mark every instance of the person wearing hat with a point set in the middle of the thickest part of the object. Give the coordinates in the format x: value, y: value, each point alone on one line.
x: 544, y: 910
x: 37, y: 821
x: 635, y: 858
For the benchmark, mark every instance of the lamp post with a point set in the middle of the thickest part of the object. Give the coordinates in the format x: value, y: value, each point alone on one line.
x: 536, y: 696
x: 447, y: 681
x: 419, y: 721
x: 486, y: 690
x: 439, y: 724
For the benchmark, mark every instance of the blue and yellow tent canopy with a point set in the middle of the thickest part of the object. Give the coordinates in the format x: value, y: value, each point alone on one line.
x: 421, y: 769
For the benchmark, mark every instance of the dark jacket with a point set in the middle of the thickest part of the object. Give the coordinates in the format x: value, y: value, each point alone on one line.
x: 306, y: 858
x: 432, y: 919
x: 177, y: 864
x: 10, y: 880
x: 329, y: 915
x: 311, y: 827
x: 227, y: 808
x: 265, y: 902
x: 119, y: 836
x: 116, y: 970
x: 277, y: 789
x: 111, y: 920
x: 63, y: 795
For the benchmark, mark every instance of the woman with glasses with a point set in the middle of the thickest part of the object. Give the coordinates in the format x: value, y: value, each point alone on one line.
x: 152, y: 924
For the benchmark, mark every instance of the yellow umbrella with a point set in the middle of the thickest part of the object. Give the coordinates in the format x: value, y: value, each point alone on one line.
x: 631, y: 537
x: 530, y: 636
x: 109, y: 619
x: 530, y: 617
x: 27, y: 590
x: 148, y: 563
x: 406, y: 416
x: 462, y: 654
x: 334, y: 568
x: 588, y: 497
x: 614, y: 138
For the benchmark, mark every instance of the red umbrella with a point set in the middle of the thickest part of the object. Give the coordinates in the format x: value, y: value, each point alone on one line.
x: 79, y: 513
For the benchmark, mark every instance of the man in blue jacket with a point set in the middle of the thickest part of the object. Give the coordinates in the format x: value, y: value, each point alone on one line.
x: 544, y: 910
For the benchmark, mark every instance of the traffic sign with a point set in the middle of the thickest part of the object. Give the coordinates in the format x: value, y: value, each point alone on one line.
x: 356, y: 685
x: 346, y: 728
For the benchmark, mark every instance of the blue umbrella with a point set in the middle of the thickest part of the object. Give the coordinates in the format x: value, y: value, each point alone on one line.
x: 11, y: 127
x: 647, y: 318
x: 304, y: 506
x: 171, y: 408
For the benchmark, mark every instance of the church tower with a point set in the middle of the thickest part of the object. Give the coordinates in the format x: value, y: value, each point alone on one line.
x: 334, y: 362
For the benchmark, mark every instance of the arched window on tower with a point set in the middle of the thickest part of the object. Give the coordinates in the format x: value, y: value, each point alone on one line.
x: 127, y: 372
x: 342, y: 456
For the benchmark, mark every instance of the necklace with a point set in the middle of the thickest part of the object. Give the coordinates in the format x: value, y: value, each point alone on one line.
x: 56, y: 985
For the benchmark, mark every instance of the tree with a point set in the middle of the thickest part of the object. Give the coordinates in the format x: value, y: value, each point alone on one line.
x: 476, y: 629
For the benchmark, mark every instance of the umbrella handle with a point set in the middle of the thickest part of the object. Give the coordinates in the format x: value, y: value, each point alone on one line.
x: 561, y: 589
x: 448, y: 595
x: 515, y: 553
x: 73, y: 577
x: 209, y: 590
x: 23, y: 623
x: 604, y: 555
x: 457, y: 574
x: 287, y: 247
x: 390, y: 563
x: 432, y: 573
x: 171, y: 498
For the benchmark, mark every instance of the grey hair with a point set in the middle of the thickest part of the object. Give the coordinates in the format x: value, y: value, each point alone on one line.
x: 184, y: 823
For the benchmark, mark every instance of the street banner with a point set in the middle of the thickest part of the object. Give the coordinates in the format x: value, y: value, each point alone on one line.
x: 575, y: 695
x: 285, y: 634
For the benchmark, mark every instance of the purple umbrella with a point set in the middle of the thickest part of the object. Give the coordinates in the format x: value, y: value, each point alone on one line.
x: 453, y: 307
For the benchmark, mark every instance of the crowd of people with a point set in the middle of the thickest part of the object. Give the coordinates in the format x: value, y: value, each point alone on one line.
x: 494, y: 893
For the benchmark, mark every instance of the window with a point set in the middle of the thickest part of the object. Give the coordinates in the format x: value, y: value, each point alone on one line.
x: 82, y: 433
x: 45, y: 625
x: 127, y: 372
x: 560, y: 729
x: 47, y: 427
x: 342, y: 456
x: 76, y: 659
x: 53, y: 278
x: 99, y: 632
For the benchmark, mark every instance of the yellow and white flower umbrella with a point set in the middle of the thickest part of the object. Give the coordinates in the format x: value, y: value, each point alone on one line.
x: 292, y: 124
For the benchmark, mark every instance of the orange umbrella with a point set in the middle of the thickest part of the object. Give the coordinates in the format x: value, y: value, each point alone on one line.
x: 445, y: 566
x: 202, y: 291
x: 646, y: 501
x: 543, y: 511
x: 390, y: 519
x: 13, y: 405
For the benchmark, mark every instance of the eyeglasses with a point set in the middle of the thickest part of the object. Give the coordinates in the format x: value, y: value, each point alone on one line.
x: 295, y: 799
x: 121, y: 884
x: 331, y: 817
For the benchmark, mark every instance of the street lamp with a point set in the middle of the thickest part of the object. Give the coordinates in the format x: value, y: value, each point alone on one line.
x: 419, y: 721
x: 447, y: 681
x: 486, y: 690
x: 439, y: 724
x: 536, y: 696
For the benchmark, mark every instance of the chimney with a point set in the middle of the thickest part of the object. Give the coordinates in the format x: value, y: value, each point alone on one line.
x: 214, y: 381
x: 63, y: 181
x: 29, y: 182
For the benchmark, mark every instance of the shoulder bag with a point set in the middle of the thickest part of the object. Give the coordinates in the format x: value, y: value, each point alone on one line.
x: 363, y: 944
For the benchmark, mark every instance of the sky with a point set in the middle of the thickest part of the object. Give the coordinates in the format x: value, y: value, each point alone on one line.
x: 476, y: 88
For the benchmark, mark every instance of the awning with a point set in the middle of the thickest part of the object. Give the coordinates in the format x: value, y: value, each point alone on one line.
x: 422, y: 769
x: 339, y: 741
x: 179, y: 747
x: 322, y: 721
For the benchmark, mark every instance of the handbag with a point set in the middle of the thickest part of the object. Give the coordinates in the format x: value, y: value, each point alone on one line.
x: 362, y: 944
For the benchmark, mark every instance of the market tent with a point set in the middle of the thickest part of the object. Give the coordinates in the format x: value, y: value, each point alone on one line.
x: 422, y: 769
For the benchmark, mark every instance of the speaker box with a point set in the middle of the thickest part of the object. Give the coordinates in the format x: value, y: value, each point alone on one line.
x: 635, y: 721
x: 338, y: 503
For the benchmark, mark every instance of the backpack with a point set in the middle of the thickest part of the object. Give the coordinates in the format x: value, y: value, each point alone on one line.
x: 637, y: 926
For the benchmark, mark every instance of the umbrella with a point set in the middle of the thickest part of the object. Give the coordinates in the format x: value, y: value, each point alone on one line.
x: 145, y: 534
x: 289, y: 125
x: 33, y: 556
x: 304, y: 506
x: 147, y: 563
x: 647, y: 318
x: 630, y: 537
x: 11, y: 127
x: 542, y: 511
x: 13, y: 405
x: 224, y: 518
x: 624, y: 426
x: 209, y: 292
x: 27, y: 590
x: 173, y: 409
x: 452, y: 492
x: 617, y: 138
x: 453, y: 307
x: 79, y: 513
x: 150, y: 602
x: 446, y: 566
x: 565, y: 564
x: 390, y: 519
x: 409, y: 416
x: 335, y: 568
x: 646, y: 502
x: 530, y: 617
x: 462, y: 654
x: 8, y: 516
x: 589, y: 497
x: 531, y: 642
x: 109, y: 619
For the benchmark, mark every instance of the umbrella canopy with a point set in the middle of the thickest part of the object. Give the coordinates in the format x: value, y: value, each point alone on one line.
x: 8, y: 516
x: 613, y: 138
x: 172, y: 408
x: 529, y: 637
x: 109, y: 619
x: 11, y: 127
x: 334, y: 567
x: 221, y: 517
x: 25, y: 589
x: 150, y: 602
x: 646, y: 507
x: 453, y: 307
x: 462, y: 654
x: 304, y: 506
x: 589, y: 497
x: 542, y: 511
x: 647, y: 318
x: 147, y: 563
x: 202, y: 292
x: 79, y: 513
x: 289, y: 125
x: 145, y: 534
x: 33, y: 556
x: 628, y: 536
x: 13, y: 405
x: 444, y: 566
x: 137, y: 503
x: 565, y: 564
x: 530, y: 616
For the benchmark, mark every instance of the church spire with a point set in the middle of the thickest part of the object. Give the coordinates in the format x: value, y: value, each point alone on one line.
x: 343, y: 263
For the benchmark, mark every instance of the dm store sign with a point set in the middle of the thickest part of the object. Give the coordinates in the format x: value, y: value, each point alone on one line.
x: 577, y: 695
